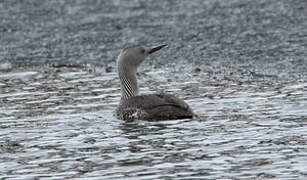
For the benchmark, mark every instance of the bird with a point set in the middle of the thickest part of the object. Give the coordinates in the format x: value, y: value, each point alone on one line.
x: 152, y: 107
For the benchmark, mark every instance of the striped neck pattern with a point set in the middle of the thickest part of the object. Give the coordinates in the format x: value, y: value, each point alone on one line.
x: 128, y: 83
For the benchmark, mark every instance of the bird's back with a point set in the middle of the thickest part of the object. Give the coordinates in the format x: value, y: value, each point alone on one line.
x: 153, y: 107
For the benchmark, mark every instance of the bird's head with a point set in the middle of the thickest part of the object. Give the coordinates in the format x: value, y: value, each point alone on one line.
x: 135, y: 55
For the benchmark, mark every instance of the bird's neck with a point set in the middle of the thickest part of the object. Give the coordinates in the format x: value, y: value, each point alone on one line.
x: 128, y: 82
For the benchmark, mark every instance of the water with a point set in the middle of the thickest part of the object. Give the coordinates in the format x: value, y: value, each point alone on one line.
x: 58, y: 123
x: 241, y: 66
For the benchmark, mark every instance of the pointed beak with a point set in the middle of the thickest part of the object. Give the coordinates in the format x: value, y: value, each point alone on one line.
x: 157, y: 48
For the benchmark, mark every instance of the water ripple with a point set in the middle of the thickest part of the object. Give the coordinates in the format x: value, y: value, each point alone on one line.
x: 57, y: 128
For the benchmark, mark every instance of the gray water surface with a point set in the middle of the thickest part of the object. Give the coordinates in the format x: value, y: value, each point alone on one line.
x: 240, y: 64
x: 58, y: 123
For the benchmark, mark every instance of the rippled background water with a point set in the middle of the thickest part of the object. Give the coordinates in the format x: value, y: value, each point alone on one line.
x: 241, y: 65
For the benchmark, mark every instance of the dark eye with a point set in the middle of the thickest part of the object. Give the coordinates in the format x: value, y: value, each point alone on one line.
x: 142, y: 51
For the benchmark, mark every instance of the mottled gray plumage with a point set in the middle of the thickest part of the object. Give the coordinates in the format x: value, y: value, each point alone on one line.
x: 146, y: 107
x: 153, y: 107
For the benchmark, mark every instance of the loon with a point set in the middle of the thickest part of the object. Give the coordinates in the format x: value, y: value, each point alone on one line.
x: 152, y: 107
